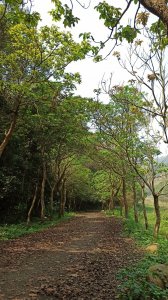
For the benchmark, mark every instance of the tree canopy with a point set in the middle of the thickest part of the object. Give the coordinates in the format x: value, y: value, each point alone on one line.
x: 113, y: 16
x: 59, y: 151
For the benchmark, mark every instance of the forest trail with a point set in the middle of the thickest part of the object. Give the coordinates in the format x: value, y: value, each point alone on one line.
x: 77, y: 259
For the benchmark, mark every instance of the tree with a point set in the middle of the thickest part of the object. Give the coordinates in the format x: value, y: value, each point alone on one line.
x: 120, y: 126
x: 148, y: 170
x: 148, y: 69
x: 106, y: 180
x: 117, y: 123
x: 80, y: 191
x: 158, y: 8
x: 113, y: 17
x: 31, y: 61
x: 102, y: 186
x: 59, y: 134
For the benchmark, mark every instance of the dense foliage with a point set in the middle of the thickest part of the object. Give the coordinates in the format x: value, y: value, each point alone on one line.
x: 63, y: 152
x: 60, y: 152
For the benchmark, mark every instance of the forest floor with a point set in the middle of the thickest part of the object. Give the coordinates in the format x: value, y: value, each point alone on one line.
x: 76, y: 259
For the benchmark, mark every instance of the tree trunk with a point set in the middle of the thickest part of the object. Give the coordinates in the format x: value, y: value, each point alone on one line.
x: 68, y: 201
x: 135, y: 202
x: 42, y: 202
x: 69, y: 206
x: 121, y: 206
x: 62, y: 200
x: 32, y: 205
x: 64, y: 197
x: 74, y: 204
x: 144, y: 207
x: 158, y: 8
x: 8, y: 134
x: 80, y: 204
x: 52, y: 200
x: 157, y: 212
x: 111, y: 202
x: 124, y: 197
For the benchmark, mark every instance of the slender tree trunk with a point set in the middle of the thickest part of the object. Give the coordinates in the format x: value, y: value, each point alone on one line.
x: 111, y: 202
x: 62, y: 200
x: 157, y: 212
x: 102, y: 206
x: 80, y: 204
x: 23, y: 183
x: 74, y: 204
x: 144, y: 207
x: 135, y: 202
x: 8, y: 135
x: 68, y: 201
x: 32, y: 205
x: 121, y: 207
x: 42, y: 202
x: 125, y: 197
x: 52, y: 200
x: 120, y: 200
x: 69, y: 206
x: 61, y: 209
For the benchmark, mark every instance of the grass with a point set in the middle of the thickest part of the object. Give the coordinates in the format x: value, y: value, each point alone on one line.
x: 110, y: 213
x: 151, y: 217
x: 134, y: 285
x: 136, y: 229
x: 13, y: 231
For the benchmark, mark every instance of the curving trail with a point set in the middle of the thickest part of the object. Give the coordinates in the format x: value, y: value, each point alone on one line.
x: 77, y: 259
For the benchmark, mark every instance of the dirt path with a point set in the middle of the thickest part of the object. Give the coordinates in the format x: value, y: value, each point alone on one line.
x: 77, y: 259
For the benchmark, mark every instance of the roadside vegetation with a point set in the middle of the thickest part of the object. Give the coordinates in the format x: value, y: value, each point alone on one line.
x: 13, y: 231
x: 134, y: 279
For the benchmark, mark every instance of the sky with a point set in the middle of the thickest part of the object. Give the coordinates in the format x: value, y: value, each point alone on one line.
x: 91, y: 73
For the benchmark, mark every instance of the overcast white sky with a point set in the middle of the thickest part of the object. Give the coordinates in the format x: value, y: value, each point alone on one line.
x: 91, y: 73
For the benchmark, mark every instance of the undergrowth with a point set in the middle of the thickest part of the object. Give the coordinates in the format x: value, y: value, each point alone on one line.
x: 134, y: 284
x: 12, y: 231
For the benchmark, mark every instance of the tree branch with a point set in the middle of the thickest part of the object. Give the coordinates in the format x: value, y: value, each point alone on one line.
x: 158, y: 8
